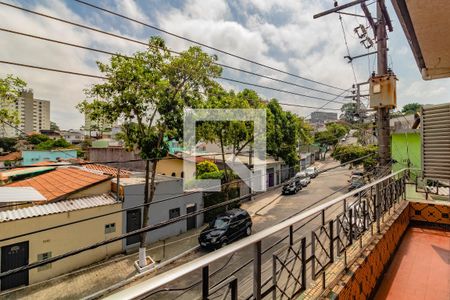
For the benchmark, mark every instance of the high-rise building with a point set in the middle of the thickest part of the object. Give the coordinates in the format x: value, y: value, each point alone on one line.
x: 323, y: 117
x: 34, y: 115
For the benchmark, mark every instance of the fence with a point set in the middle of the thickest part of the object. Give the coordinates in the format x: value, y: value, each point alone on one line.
x: 312, y: 243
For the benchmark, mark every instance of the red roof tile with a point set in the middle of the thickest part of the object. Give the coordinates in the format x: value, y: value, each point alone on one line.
x: 108, y: 170
x: 61, y: 182
x: 11, y: 156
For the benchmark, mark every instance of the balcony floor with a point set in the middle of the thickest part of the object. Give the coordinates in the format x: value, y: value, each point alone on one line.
x: 420, y: 268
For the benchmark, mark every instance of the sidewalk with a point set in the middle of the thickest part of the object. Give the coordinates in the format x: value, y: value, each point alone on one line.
x: 89, y: 280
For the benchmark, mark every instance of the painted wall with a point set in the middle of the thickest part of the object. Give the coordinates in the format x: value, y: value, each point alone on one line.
x: 35, y: 156
x: 159, y: 212
x: 61, y: 240
x: 169, y: 166
x: 98, y: 189
x: 116, y: 154
x: 404, y: 146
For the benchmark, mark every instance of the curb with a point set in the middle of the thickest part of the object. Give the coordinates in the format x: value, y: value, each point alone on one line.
x: 137, y: 276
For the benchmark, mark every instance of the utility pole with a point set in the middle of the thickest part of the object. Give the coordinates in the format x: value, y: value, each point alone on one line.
x: 379, y: 29
x: 384, y: 135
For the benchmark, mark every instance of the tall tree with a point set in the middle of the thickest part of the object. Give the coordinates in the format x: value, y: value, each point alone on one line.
x: 54, y: 126
x: 411, y: 108
x: 10, y: 89
x: 147, y: 93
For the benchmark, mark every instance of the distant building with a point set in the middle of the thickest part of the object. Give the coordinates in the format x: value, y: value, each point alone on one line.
x: 73, y: 137
x: 323, y: 117
x: 96, y: 128
x: 31, y: 157
x: 34, y: 115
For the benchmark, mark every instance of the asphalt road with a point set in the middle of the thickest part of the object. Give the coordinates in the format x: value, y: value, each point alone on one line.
x: 281, y: 208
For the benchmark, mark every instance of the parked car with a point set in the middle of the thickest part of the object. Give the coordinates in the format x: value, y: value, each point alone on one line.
x: 292, y: 187
x: 304, y: 178
x: 312, y: 172
x: 226, y: 228
x: 356, y: 183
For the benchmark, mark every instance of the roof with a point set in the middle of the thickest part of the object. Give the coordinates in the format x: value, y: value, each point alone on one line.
x: 17, y: 172
x: 141, y: 180
x: 20, y: 194
x: 57, y: 207
x: 108, y: 170
x: 427, y: 29
x: 62, y: 182
x: 11, y: 156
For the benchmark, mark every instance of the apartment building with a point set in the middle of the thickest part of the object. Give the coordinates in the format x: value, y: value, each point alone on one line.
x: 34, y: 115
x: 323, y: 117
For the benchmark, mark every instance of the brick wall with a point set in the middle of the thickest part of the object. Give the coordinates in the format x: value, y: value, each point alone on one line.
x: 363, y: 276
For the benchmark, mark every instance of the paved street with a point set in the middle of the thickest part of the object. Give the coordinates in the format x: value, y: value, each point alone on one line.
x: 272, y: 212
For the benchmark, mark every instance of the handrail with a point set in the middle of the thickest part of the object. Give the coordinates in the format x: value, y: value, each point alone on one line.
x: 164, y: 278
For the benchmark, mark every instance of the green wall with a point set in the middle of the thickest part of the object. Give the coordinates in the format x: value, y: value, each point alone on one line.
x: 404, y: 144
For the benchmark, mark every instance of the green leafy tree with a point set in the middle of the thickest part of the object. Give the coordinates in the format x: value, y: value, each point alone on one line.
x: 54, y: 126
x: 346, y: 153
x: 206, y: 167
x: 10, y: 89
x: 8, y: 144
x: 147, y: 92
x: 411, y: 108
x: 37, y: 138
x: 53, y: 144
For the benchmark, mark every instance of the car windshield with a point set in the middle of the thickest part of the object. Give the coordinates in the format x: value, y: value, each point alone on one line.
x: 310, y: 170
x: 220, y: 223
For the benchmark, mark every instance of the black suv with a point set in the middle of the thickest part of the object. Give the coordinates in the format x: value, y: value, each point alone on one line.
x: 226, y: 228
x: 292, y: 187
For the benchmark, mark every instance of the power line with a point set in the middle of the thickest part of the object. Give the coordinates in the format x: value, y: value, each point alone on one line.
x: 102, y: 77
x: 348, y: 50
x: 134, y: 41
x: 204, y: 45
x: 322, y: 107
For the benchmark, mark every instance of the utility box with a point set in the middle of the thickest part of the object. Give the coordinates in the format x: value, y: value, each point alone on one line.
x: 383, y: 91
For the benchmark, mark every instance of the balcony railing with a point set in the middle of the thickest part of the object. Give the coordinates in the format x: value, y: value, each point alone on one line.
x: 298, y: 251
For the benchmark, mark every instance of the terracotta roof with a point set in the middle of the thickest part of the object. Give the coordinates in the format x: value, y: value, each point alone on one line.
x: 62, y: 182
x: 108, y: 170
x: 11, y: 156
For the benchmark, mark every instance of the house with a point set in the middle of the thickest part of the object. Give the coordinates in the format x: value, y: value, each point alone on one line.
x: 119, y: 154
x: 67, y: 182
x: 73, y: 137
x: 406, y: 150
x: 10, y: 159
x: 31, y: 157
x: 52, y: 134
x: 31, y: 248
x: 169, y: 202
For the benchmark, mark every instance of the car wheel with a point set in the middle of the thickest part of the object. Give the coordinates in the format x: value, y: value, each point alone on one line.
x: 224, y: 243
x: 248, y: 231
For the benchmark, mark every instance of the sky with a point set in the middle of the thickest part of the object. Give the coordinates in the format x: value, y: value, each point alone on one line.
x: 281, y: 34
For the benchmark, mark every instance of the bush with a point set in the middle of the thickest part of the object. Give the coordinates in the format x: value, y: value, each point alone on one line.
x: 206, y: 167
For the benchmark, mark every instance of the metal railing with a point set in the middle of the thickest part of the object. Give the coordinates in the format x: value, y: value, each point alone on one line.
x: 315, y: 240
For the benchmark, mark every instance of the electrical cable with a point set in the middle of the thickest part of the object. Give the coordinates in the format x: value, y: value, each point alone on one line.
x: 204, y: 45
x: 224, y: 78
x: 132, y: 40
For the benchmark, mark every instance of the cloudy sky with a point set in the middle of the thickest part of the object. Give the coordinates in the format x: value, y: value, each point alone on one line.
x: 281, y: 34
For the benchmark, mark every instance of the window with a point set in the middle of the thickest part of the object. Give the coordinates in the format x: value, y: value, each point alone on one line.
x: 174, y: 174
x: 110, y: 228
x: 173, y: 213
x: 182, y: 174
x: 44, y: 256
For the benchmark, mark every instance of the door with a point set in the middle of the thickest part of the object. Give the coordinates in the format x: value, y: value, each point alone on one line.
x: 133, y: 223
x: 191, y: 222
x: 14, y: 256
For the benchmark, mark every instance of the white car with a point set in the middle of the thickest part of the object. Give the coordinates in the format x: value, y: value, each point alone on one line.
x: 311, y: 172
x: 304, y: 178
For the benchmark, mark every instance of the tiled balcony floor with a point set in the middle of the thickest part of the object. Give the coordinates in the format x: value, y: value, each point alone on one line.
x: 420, y: 268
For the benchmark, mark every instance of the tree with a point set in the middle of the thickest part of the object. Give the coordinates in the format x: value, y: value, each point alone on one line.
x: 411, y: 108
x: 148, y: 92
x: 8, y: 144
x: 346, y: 153
x: 37, y: 138
x: 10, y: 89
x: 52, y: 144
x: 338, y: 130
x: 54, y: 126
x: 206, y: 167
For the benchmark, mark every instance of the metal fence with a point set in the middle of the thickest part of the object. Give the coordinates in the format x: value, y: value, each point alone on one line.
x: 301, y: 250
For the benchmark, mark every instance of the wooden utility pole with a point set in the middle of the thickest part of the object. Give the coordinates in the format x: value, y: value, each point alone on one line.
x: 384, y: 135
